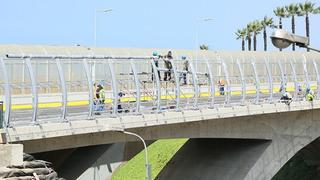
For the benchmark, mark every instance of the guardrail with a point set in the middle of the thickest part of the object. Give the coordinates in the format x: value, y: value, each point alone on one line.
x: 37, y: 88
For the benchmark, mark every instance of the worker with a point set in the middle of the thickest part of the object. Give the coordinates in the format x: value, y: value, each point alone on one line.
x: 168, y: 65
x: 309, y: 95
x: 156, y: 63
x: 221, y: 86
x: 99, y: 99
x: 120, y: 108
x: 185, y: 69
x: 286, y: 97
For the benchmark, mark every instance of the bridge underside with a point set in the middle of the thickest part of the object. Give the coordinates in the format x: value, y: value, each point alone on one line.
x: 92, y: 162
x: 210, y: 159
x: 284, y: 134
x: 203, y: 158
x: 232, y: 159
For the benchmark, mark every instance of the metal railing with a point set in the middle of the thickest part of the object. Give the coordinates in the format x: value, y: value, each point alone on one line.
x: 37, y: 88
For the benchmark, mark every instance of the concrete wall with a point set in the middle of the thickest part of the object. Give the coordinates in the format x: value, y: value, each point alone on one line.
x: 288, y: 132
x: 289, y: 128
x: 92, y: 162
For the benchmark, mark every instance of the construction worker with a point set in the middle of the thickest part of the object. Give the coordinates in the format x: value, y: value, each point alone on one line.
x: 286, y: 97
x: 156, y: 63
x: 309, y: 95
x: 99, y: 99
x: 221, y: 86
x: 168, y: 65
x: 185, y: 69
x: 120, y: 108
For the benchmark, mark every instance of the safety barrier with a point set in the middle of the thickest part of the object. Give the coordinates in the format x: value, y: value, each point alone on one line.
x: 37, y: 88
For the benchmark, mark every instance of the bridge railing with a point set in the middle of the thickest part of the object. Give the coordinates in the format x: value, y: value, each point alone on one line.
x: 38, y: 88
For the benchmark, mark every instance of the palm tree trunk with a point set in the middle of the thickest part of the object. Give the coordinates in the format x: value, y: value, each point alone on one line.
x: 307, y: 29
x: 254, y: 41
x: 249, y: 43
x: 293, y: 27
x: 280, y: 27
x: 280, y: 23
x: 243, y: 45
x: 265, y: 38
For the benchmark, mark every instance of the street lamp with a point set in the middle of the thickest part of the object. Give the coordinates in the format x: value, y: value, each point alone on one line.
x: 283, y: 39
x: 205, y: 19
x: 105, y: 11
x: 147, y: 165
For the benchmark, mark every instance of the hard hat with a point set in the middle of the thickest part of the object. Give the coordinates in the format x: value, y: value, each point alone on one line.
x: 154, y: 53
x: 183, y: 57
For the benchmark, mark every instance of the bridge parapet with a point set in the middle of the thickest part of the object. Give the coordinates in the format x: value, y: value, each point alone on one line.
x: 57, y: 86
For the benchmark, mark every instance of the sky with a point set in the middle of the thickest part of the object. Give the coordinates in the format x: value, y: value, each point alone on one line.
x: 140, y: 23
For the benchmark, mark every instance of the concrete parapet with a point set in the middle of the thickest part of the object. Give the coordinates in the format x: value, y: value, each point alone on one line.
x: 11, y: 154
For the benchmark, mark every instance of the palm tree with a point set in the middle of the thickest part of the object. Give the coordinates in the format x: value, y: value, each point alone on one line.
x: 204, y: 47
x: 280, y: 13
x: 266, y: 22
x: 241, y: 34
x: 306, y: 9
x: 249, y: 36
x: 256, y: 28
x: 291, y: 11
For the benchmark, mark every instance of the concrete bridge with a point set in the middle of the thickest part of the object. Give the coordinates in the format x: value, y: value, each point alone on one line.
x: 49, y: 107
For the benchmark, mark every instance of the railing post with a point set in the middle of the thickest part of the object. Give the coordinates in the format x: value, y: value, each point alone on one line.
x: 243, y: 82
x: 158, y: 86
x: 315, y: 65
x: 177, y: 84
x: 2, y: 122
x: 283, y: 80
x: 257, y: 85
x: 90, y: 86
x: 195, y: 85
x: 225, y: 68
x: 306, y: 71
x: 114, y: 87
x: 63, y: 89
x: 266, y: 63
x: 7, y: 92
x: 33, y: 89
x: 211, y: 83
x: 136, y: 81
x: 294, y: 77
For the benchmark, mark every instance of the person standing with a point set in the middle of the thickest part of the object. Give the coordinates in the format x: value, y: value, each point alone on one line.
x: 167, y: 62
x: 99, y: 99
x: 155, y: 59
x: 185, y: 69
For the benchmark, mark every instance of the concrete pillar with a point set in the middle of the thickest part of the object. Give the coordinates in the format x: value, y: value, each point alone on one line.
x: 11, y: 154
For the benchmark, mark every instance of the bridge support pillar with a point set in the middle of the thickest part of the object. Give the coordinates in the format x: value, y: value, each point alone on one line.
x: 11, y: 154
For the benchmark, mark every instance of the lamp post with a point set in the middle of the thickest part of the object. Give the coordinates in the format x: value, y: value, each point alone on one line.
x: 147, y: 165
x: 283, y: 39
x: 105, y: 11
x: 207, y: 19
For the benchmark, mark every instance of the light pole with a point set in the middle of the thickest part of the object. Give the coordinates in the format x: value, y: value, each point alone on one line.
x: 283, y: 39
x: 147, y: 165
x: 105, y: 11
x: 207, y: 19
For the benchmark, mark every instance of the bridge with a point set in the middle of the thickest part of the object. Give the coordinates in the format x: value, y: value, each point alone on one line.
x: 49, y: 106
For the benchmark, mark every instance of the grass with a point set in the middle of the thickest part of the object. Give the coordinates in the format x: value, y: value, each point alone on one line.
x: 160, y: 153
